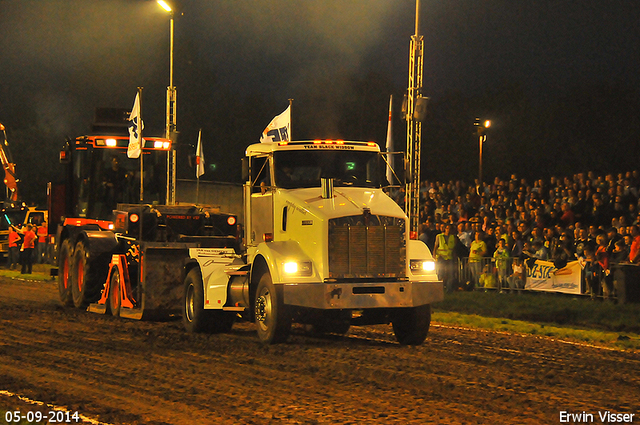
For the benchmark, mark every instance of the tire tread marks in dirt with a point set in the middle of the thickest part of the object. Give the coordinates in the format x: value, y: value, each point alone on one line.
x: 154, y: 372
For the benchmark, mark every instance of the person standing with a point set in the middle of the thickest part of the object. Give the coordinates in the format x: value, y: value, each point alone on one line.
x: 41, y: 252
x: 501, y: 257
x: 14, y: 240
x: 444, y: 254
x: 476, y: 253
x: 634, y: 250
x: 26, y: 252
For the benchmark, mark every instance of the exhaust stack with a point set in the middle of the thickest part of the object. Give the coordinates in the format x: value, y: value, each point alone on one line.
x: 327, y: 188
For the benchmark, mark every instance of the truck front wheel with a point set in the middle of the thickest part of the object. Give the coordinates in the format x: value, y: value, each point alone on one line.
x: 272, y: 318
x: 411, y: 325
x: 64, y: 274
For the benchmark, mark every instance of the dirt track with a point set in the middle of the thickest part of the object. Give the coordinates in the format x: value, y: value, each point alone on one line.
x: 120, y: 371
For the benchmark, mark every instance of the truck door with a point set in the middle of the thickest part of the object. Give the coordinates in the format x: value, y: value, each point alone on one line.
x: 261, y: 199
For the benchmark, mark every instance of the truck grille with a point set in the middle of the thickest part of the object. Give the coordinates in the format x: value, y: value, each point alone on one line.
x: 373, y: 250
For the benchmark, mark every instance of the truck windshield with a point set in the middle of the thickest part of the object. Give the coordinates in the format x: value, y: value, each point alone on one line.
x: 13, y: 217
x: 106, y: 177
x: 300, y: 169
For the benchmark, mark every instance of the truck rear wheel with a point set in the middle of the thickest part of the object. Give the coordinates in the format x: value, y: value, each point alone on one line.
x: 272, y: 318
x: 411, y: 325
x: 194, y: 315
x: 64, y: 274
x: 85, y: 284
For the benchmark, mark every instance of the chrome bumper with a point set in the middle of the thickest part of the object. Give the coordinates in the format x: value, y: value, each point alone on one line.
x: 362, y: 295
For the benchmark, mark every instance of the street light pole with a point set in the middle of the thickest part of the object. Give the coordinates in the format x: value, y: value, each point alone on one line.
x: 170, y: 128
x: 481, y: 140
x: 481, y: 127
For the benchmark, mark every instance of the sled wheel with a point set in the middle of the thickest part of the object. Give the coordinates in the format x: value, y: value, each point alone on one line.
x: 115, y: 297
x: 272, y: 319
x: 411, y: 325
x: 64, y: 274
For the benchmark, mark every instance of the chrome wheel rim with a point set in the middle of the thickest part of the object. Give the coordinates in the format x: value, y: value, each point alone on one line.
x: 263, y: 308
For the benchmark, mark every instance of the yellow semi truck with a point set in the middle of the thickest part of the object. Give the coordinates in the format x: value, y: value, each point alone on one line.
x: 323, y: 245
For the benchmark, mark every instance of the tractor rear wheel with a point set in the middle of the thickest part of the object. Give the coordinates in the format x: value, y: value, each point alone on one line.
x: 86, y: 283
x: 64, y: 274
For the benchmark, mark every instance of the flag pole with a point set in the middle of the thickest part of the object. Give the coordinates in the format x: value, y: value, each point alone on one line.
x: 141, y: 220
x: 141, y: 157
x: 198, y: 159
x: 290, y: 125
x: 390, y: 143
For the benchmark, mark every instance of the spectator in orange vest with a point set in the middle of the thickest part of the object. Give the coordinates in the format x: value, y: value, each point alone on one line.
x: 27, y: 250
x: 14, y: 247
x: 41, y: 251
x: 634, y: 252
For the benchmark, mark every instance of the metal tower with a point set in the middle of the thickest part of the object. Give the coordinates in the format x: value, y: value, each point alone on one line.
x: 415, y: 109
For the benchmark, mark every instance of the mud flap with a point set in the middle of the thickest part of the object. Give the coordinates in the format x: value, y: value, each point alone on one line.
x: 217, y: 266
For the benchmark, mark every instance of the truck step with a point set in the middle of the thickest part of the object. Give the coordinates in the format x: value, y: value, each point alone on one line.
x: 239, y: 309
x: 238, y: 273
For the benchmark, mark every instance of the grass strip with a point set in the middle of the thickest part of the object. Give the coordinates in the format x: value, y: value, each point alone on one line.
x: 614, y: 340
x: 561, y: 316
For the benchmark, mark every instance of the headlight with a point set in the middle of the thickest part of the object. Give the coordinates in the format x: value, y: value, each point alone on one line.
x: 302, y: 268
x: 291, y: 267
x: 422, y: 266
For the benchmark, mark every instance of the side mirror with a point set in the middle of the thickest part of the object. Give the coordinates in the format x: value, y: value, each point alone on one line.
x: 245, y: 169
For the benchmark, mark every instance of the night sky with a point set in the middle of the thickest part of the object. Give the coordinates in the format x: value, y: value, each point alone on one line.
x: 560, y: 79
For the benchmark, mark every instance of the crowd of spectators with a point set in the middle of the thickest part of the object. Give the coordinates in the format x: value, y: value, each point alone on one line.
x: 586, y: 217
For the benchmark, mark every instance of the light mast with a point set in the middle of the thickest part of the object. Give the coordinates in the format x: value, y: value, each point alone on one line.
x: 415, y: 110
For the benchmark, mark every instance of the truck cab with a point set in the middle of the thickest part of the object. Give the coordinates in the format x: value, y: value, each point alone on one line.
x: 329, y: 242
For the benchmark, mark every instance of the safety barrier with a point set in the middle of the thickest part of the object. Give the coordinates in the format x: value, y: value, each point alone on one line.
x: 488, y: 274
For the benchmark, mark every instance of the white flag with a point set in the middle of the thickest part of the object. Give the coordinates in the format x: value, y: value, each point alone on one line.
x: 135, y: 130
x: 279, y: 128
x: 199, y: 157
x: 390, y: 143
